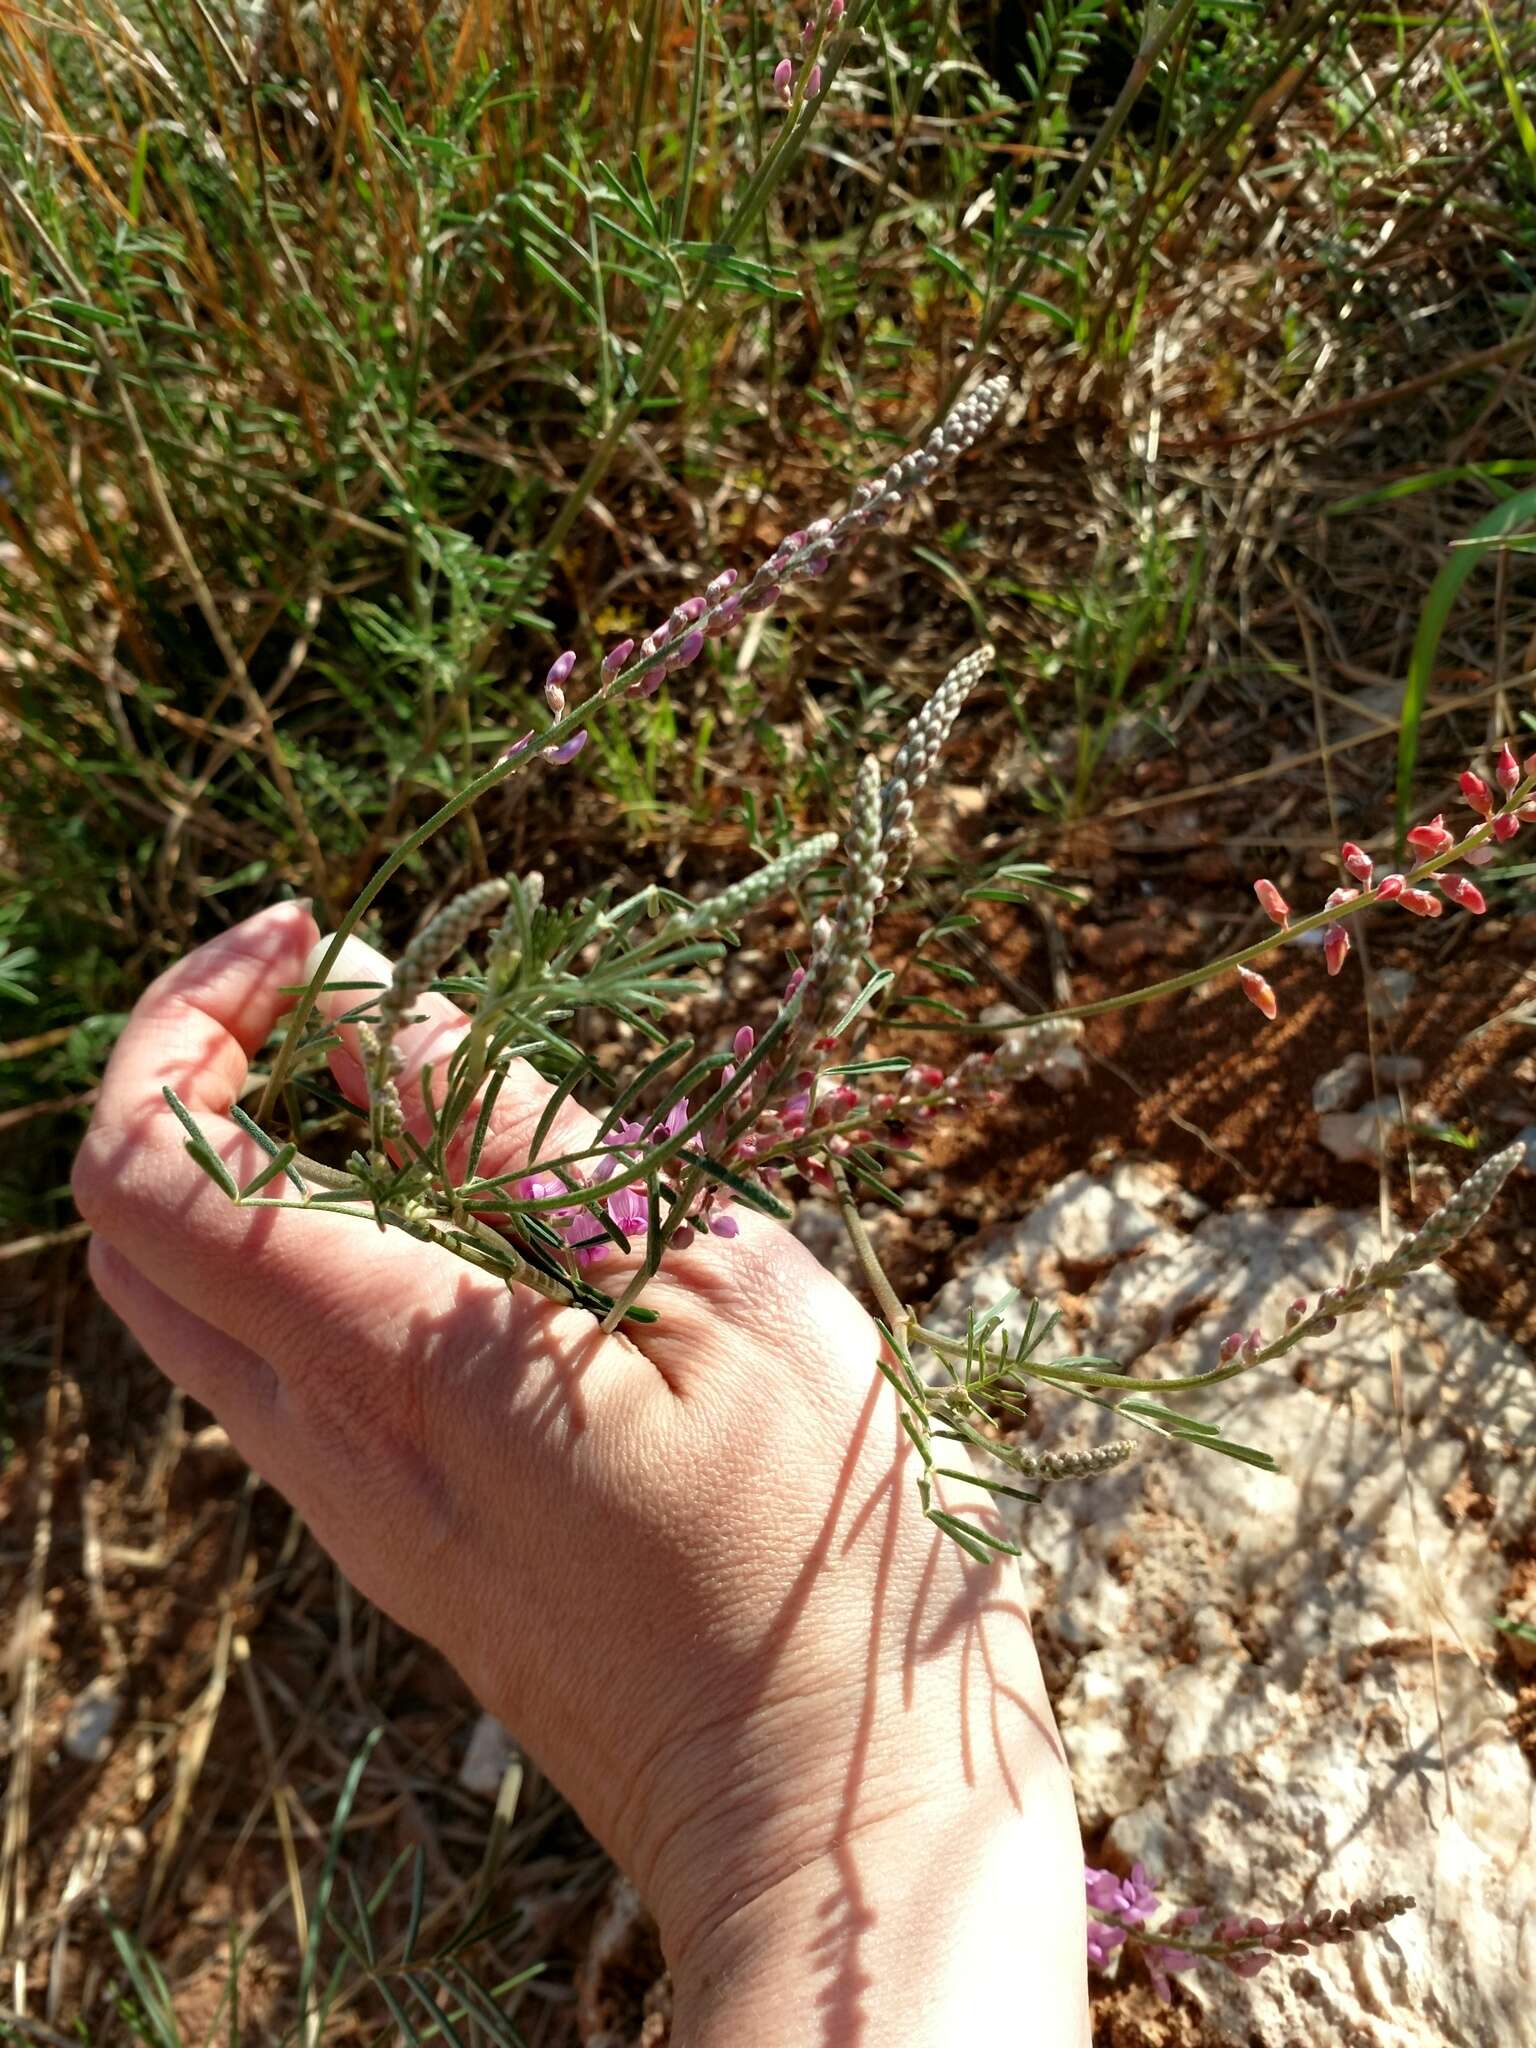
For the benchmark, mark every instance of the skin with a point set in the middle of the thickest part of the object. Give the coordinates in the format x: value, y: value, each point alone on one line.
x: 686, y: 1566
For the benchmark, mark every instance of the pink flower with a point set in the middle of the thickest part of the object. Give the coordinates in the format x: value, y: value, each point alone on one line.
x: 813, y: 81
x: 1507, y: 826
x: 1506, y: 769
x: 1432, y: 838
x: 1421, y: 903
x: 723, y: 1226
x: 1476, y: 792
x: 1464, y: 893
x: 783, y: 79
x: 628, y: 1209
x: 1271, y: 901
x: 744, y: 1041
x: 1258, y: 992
x: 1390, y: 887
x: 673, y: 1121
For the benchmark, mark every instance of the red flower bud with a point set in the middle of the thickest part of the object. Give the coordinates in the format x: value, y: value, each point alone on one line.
x: 1271, y: 901
x: 1432, y: 838
x: 1336, y: 945
x: 1390, y: 886
x: 1507, y: 826
x: 1421, y: 903
x: 1506, y: 769
x: 1476, y: 792
x: 1258, y: 992
x: 1356, y: 861
x: 1463, y: 893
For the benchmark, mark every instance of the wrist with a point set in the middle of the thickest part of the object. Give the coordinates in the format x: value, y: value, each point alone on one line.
x: 962, y: 1918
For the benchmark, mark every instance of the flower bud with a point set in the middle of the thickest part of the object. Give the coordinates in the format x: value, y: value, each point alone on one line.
x: 554, y: 697
x: 568, y: 749
x: 1506, y: 769
x: 1466, y: 895
x: 1476, y: 792
x: 744, y: 1041
x: 1258, y: 992
x: 615, y: 659
x: 1432, y: 838
x: 783, y: 79
x: 1390, y: 887
x: 1357, y: 862
x: 1336, y: 946
x: 1506, y: 827
x: 689, y: 648
x: 716, y: 588
x: 813, y: 81
x: 560, y: 669
x: 1420, y: 902
x: 1230, y: 1347
x: 1296, y: 1313
x: 1271, y: 901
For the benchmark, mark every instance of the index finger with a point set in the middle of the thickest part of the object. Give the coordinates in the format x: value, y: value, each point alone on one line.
x: 195, y: 1028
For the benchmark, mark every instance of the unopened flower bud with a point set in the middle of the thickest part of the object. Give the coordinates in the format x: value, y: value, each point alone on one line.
x: 813, y: 81
x: 1296, y: 1313
x: 1506, y: 769
x: 689, y: 648
x: 716, y: 588
x: 1271, y: 901
x: 1432, y: 838
x: 1390, y: 887
x: 783, y: 79
x: 1258, y: 992
x: 1253, y: 1344
x: 744, y: 1041
x: 1507, y: 826
x: 1230, y: 1347
x: 1420, y: 902
x: 1476, y: 792
x: 1357, y: 861
x: 568, y: 749
x: 560, y: 669
x: 808, y: 35
x: 1336, y: 946
x: 1466, y: 895
x: 615, y: 659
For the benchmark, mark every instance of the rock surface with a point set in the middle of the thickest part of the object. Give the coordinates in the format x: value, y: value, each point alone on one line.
x: 1246, y: 1684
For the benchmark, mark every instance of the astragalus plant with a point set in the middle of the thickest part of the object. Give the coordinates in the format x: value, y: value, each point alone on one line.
x: 689, y: 1133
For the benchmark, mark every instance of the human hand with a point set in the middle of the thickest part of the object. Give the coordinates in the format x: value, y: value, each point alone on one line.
x: 684, y: 1563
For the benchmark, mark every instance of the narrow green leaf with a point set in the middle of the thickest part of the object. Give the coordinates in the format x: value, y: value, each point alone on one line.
x: 280, y: 1162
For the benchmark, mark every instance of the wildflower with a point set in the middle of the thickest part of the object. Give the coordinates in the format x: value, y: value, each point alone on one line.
x: 813, y: 81
x: 559, y: 675
x: 1420, y: 902
x: 568, y: 749
x: 1432, y: 838
x: 628, y: 1209
x: 1162, y: 1963
x: 744, y: 1041
x: 1476, y: 792
x: 783, y: 79
x: 1271, y: 902
x: 1390, y: 887
x: 615, y: 659
x: 1258, y: 992
x: 1357, y: 862
x: 1506, y: 769
x: 1507, y: 826
x: 1463, y: 893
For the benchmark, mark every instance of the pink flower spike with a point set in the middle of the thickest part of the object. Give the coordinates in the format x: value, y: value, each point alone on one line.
x: 1506, y: 769
x: 560, y: 670
x: 1271, y: 901
x: 1476, y: 792
x: 568, y: 749
x: 1466, y: 895
x: 1506, y: 827
x: 1258, y: 992
x: 744, y: 1041
x: 1390, y: 886
x: 813, y: 81
x: 783, y: 79
x: 1336, y: 945
x: 1357, y: 861
x: 1432, y: 838
x: 616, y: 657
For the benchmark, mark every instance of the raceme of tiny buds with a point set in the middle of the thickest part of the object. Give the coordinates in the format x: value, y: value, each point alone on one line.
x: 1120, y: 1909
x: 1435, y: 843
